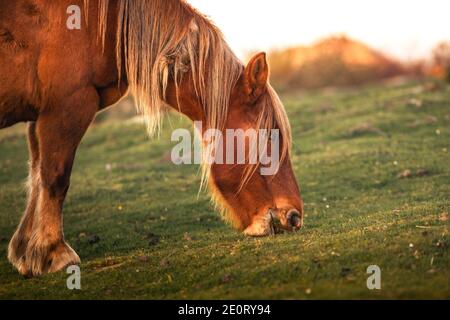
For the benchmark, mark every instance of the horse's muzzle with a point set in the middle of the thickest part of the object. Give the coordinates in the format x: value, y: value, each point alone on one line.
x: 294, y: 220
x: 286, y: 220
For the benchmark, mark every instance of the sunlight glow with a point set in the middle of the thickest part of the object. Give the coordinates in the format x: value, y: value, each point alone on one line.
x: 401, y: 28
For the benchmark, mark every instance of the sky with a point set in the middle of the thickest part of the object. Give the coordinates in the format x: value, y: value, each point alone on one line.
x: 404, y: 29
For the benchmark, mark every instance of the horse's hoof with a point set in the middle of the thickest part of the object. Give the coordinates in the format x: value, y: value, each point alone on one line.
x: 22, y: 267
x: 63, y: 257
x: 49, y: 258
x: 16, y: 253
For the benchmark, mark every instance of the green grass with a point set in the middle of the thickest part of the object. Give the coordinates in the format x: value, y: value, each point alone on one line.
x: 349, y: 148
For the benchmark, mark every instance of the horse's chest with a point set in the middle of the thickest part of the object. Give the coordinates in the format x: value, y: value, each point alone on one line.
x: 14, y: 110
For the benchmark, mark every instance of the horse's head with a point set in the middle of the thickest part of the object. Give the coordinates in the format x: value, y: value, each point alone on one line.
x: 253, y: 180
x: 265, y: 197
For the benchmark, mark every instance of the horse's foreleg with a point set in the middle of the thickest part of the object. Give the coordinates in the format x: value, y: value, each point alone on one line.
x: 59, y: 132
x: 19, y: 242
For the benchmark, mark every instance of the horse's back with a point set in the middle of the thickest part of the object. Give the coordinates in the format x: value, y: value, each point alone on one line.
x: 42, y: 61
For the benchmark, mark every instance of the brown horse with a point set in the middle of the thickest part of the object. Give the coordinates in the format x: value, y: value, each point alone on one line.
x: 164, y: 53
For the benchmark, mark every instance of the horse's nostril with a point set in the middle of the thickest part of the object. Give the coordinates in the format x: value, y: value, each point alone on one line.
x: 295, y: 219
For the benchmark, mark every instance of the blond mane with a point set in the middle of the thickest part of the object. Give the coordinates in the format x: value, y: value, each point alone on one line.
x: 159, y: 38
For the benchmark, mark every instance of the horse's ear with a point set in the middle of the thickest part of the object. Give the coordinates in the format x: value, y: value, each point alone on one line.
x: 256, y: 76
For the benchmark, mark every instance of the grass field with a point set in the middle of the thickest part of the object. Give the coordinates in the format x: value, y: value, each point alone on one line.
x: 374, y: 168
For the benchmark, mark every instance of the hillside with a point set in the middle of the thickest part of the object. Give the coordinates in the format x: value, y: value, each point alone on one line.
x: 335, y: 61
x: 374, y: 167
